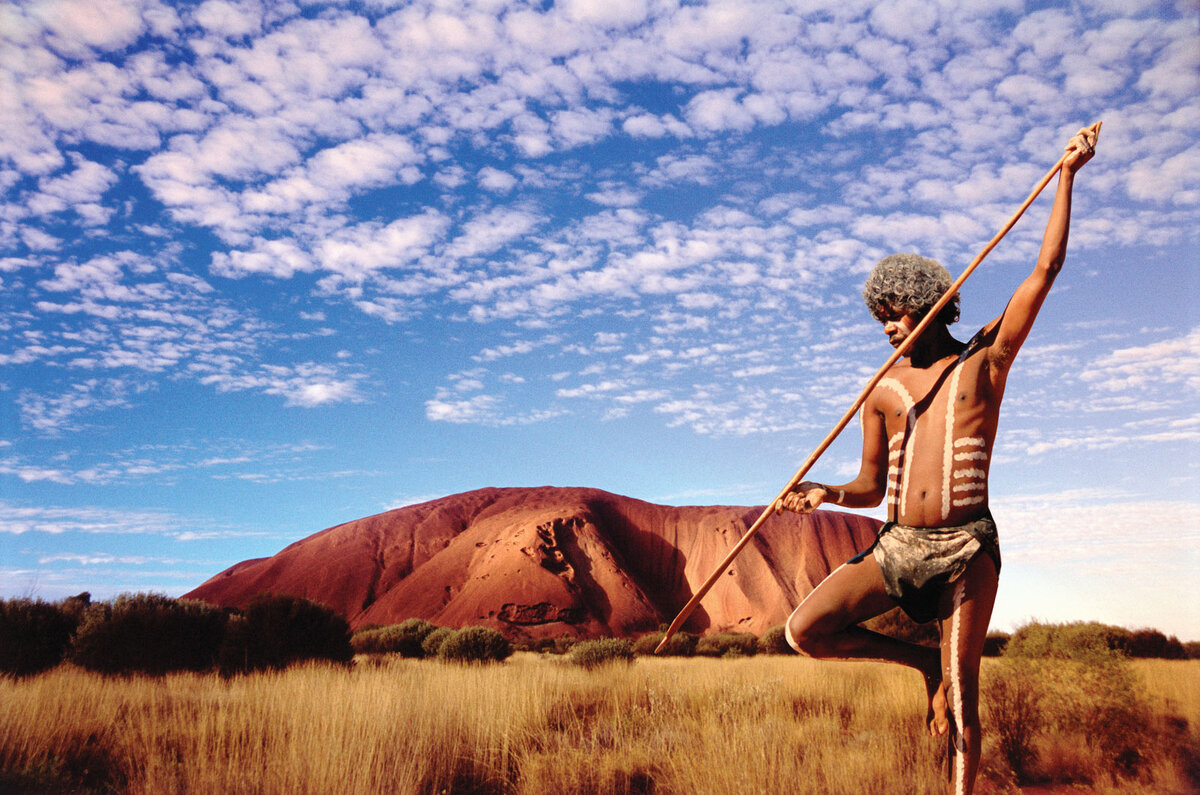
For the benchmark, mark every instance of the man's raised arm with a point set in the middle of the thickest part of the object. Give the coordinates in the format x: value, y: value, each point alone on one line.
x: 1014, y: 325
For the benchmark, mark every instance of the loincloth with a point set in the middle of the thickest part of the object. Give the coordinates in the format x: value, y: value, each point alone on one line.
x: 919, y: 562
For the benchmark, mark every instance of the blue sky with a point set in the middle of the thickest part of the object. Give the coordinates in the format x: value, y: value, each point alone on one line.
x: 269, y: 267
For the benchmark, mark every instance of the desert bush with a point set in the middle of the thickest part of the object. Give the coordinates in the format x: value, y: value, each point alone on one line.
x: 594, y: 653
x: 1080, y: 641
x: 681, y: 644
x: 774, y: 641
x: 1192, y: 649
x: 34, y: 635
x: 148, y: 633
x: 994, y: 644
x: 1086, y: 714
x: 275, y: 631
x: 406, y: 638
x: 734, y: 644
x: 1012, y: 697
x: 376, y: 640
x: 1152, y: 643
x: 434, y: 640
x: 414, y: 631
x: 475, y: 644
x: 1102, y: 702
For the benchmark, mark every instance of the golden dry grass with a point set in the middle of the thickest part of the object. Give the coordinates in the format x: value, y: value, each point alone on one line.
x: 532, y: 725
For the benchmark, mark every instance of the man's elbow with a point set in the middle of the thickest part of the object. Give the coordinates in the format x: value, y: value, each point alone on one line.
x: 1050, y: 266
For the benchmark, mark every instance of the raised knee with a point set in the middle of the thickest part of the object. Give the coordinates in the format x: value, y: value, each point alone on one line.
x: 804, y: 638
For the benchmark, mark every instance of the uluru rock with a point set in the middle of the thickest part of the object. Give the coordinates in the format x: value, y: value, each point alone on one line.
x: 542, y: 562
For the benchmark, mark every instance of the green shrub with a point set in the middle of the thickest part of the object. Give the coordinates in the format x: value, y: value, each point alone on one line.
x: 681, y: 644
x: 275, y: 631
x: 1012, y: 703
x: 376, y: 640
x: 1080, y: 641
x: 432, y: 644
x: 475, y: 644
x: 34, y: 635
x: 405, y: 638
x: 734, y: 644
x: 148, y: 633
x: 1095, y: 705
x: 774, y: 641
x: 594, y: 653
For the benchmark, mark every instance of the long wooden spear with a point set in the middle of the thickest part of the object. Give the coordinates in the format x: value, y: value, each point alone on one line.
x: 901, y: 349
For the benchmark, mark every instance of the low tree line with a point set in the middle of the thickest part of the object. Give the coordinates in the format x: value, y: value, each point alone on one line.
x: 155, y: 634
x: 1078, y: 639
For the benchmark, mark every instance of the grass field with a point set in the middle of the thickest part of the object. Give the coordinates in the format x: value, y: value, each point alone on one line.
x: 536, y: 724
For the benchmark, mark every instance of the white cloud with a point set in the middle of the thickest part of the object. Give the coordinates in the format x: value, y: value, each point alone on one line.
x: 903, y: 19
x: 606, y: 13
x: 1176, y: 74
x: 334, y: 174
x: 310, y: 393
x: 648, y: 125
x: 76, y: 27
x: 79, y: 189
x: 477, y: 409
x: 233, y: 20
x: 1166, y: 363
x: 489, y: 231
x: 494, y: 179
x: 305, y: 384
x: 615, y: 195
x: 357, y: 250
x: 62, y: 412
x: 279, y: 258
x: 719, y: 110
x: 17, y: 519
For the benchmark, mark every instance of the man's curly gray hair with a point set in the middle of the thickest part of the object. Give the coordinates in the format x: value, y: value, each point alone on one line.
x: 909, y: 283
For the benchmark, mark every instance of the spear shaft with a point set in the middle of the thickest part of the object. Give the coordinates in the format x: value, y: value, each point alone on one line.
x: 901, y: 349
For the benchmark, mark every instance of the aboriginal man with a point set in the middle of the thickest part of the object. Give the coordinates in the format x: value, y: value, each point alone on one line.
x: 929, y: 427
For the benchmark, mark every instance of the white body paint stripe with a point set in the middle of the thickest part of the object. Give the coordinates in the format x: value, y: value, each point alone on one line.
x: 972, y: 486
x: 969, y: 441
x: 970, y: 456
x: 948, y: 447
x: 968, y: 501
x: 970, y: 473
x: 960, y: 770
x: 897, y: 439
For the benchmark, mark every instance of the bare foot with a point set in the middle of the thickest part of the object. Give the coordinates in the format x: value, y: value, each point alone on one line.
x: 936, y: 717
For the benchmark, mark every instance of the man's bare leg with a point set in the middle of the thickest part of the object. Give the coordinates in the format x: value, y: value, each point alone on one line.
x: 824, y: 626
x: 968, y: 605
